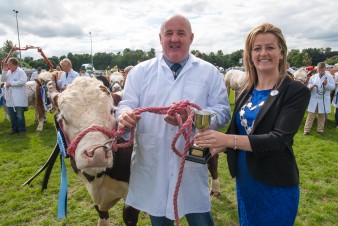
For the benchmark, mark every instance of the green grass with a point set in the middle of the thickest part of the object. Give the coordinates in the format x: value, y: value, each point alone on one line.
x: 22, y: 155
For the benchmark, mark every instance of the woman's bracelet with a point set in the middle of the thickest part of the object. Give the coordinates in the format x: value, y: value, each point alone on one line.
x: 235, y: 141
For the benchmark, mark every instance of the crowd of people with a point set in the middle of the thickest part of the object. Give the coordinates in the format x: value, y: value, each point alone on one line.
x: 259, y: 140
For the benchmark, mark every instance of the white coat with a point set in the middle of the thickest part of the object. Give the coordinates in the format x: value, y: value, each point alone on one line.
x: 320, y: 95
x: 154, y: 166
x: 16, y: 95
x: 66, y: 80
x: 335, y: 99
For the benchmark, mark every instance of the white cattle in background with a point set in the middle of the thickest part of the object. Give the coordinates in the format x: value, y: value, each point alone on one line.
x: 301, y: 75
x: 234, y: 79
x: 116, y: 81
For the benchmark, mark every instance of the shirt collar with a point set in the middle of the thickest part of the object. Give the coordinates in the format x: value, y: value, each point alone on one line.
x: 182, y: 63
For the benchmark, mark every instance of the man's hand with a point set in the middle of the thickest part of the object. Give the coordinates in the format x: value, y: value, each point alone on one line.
x: 128, y: 120
x: 172, y: 120
x: 325, y: 81
x: 8, y: 84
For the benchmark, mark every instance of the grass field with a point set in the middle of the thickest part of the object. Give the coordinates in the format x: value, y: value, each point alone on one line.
x: 22, y: 155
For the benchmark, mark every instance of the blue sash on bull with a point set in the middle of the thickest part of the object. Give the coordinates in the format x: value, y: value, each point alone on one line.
x: 43, y: 92
x: 59, y: 149
x: 1, y: 97
x: 62, y: 201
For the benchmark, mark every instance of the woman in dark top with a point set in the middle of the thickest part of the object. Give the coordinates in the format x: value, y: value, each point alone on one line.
x: 259, y: 140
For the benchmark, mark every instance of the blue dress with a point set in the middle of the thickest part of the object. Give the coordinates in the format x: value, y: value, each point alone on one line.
x: 260, y: 204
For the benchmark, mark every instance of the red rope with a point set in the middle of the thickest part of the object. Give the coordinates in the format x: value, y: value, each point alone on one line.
x: 73, y: 145
x: 185, y: 130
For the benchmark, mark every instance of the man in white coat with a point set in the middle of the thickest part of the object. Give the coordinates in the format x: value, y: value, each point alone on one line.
x: 320, y: 84
x: 15, y: 95
x: 335, y: 99
x: 154, y: 166
x: 68, y: 75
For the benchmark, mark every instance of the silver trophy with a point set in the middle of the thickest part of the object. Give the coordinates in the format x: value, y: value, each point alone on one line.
x: 196, y: 153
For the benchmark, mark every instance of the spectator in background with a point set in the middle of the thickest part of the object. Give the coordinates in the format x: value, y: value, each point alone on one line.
x: 289, y: 70
x: 15, y: 95
x: 2, y: 97
x: 320, y: 84
x: 199, y: 54
x: 83, y: 72
x: 57, y: 72
x: 4, y: 68
x: 68, y: 75
x: 126, y: 71
x: 35, y: 74
x: 335, y: 99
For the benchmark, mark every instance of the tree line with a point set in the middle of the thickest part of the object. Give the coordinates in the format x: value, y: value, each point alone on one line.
x: 104, y: 60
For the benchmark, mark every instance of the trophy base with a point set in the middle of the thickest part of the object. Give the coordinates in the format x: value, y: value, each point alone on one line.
x: 198, y: 155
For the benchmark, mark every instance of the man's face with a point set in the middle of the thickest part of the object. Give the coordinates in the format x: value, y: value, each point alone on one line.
x: 5, y: 66
x: 321, y: 71
x: 176, y: 38
x: 11, y: 66
x: 65, y: 67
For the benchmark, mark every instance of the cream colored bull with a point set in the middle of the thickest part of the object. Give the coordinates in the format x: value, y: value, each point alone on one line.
x: 84, y: 104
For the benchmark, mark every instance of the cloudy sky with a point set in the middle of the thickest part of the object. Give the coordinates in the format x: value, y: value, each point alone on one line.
x: 60, y: 26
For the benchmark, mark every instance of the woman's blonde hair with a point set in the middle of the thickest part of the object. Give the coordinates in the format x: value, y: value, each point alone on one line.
x: 251, y: 73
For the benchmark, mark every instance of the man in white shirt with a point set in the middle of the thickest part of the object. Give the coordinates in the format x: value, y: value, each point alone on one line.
x: 68, y: 75
x: 83, y: 72
x: 15, y: 95
x: 154, y: 166
x: 320, y: 84
x: 35, y: 74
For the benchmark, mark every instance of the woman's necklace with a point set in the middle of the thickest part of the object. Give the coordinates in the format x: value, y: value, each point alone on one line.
x: 244, y: 121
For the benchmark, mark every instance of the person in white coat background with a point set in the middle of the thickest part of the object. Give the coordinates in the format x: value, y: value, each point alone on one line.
x: 154, y: 166
x: 68, y: 75
x: 320, y: 84
x: 15, y: 95
x: 335, y: 99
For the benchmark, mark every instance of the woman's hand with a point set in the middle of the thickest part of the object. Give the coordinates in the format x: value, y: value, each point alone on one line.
x: 215, y: 151
x: 211, y: 139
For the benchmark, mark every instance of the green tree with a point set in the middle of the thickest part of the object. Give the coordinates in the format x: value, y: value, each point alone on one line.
x: 295, y: 58
x: 307, y: 60
x: 6, y: 48
x: 332, y: 60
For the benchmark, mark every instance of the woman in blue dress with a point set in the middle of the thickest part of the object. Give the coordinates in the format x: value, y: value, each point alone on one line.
x: 259, y: 140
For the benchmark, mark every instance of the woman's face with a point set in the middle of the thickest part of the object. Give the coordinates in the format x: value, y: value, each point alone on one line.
x: 266, y: 53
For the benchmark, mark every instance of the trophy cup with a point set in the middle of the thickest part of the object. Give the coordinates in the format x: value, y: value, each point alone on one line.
x: 196, y: 153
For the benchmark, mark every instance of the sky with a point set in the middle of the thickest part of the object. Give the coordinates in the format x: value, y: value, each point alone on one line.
x: 63, y: 26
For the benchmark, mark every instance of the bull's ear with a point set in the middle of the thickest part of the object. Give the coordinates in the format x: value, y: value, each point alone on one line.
x: 55, y: 101
x: 38, y: 82
x: 116, y: 98
x: 104, y: 89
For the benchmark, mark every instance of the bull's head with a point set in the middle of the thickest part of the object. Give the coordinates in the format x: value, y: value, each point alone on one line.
x: 301, y: 75
x: 86, y: 105
x: 116, y: 82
